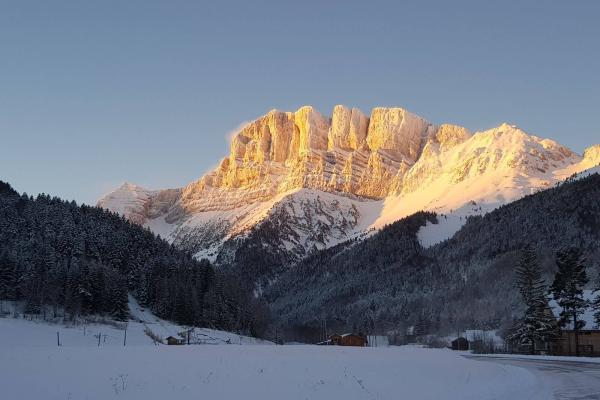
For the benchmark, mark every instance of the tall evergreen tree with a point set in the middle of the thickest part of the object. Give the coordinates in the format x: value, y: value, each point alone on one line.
x: 537, y: 324
x: 567, y: 289
x: 596, y: 303
x: 7, y: 280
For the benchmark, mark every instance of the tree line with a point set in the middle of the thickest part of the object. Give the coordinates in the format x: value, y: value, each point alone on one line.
x: 538, y: 324
x: 84, y: 260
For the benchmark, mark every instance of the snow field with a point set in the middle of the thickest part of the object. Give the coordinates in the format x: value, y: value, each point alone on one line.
x: 256, y: 372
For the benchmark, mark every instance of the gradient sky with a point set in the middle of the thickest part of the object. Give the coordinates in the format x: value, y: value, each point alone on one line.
x: 96, y: 93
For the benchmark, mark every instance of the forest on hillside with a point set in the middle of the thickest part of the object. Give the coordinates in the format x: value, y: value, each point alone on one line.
x: 389, y: 282
x: 82, y: 260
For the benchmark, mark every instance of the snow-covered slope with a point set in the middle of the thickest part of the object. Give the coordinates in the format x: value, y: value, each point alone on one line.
x: 323, y: 180
x: 305, y: 218
x: 139, y: 204
x: 16, y: 330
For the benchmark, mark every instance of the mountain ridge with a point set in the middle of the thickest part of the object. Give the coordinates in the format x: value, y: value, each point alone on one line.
x: 379, y: 168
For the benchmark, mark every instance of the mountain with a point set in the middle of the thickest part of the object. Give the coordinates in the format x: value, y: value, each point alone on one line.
x: 297, y: 182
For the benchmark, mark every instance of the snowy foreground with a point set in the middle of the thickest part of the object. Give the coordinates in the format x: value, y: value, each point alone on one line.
x: 148, y: 372
x: 229, y: 366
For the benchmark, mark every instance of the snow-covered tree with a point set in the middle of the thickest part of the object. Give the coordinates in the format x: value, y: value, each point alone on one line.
x: 537, y: 324
x: 567, y: 289
x: 596, y: 302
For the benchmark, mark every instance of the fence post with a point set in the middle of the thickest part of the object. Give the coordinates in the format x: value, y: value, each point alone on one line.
x: 58, y: 338
x: 125, y: 338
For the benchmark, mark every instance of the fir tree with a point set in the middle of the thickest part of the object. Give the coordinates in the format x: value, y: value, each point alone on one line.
x: 567, y: 289
x: 537, y: 325
x: 596, y: 307
x: 596, y: 303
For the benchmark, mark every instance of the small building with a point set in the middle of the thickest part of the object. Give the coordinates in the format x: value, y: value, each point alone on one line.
x: 409, y: 336
x: 378, y: 341
x: 172, y: 341
x: 589, y: 343
x: 460, y: 344
x: 348, y: 339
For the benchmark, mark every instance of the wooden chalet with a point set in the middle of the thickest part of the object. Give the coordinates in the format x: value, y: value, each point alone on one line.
x: 348, y: 339
x: 589, y: 343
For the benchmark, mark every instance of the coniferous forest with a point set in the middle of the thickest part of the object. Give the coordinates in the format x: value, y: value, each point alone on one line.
x: 389, y: 282
x: 81, y: 260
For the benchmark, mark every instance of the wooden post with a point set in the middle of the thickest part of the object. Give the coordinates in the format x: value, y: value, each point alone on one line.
x: 125, y: 338
x: 58, y: 338
x: 99, y: 336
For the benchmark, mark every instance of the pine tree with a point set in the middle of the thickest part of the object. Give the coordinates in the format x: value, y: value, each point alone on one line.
x: 596, y: 307
x: 537, y: 325
x: 567, y: 289
x: 7, y: 280
x: 596, y: 303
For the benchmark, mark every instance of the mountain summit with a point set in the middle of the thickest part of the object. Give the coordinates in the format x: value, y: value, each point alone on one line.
x: 319, y: 180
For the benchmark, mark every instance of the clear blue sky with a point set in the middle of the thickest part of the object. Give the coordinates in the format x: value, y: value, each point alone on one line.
x: 93, y: 93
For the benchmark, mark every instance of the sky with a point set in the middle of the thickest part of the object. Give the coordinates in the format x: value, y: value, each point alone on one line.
x: 95, y: 93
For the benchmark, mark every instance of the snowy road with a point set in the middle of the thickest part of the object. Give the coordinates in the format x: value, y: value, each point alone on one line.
x: 567, y: 379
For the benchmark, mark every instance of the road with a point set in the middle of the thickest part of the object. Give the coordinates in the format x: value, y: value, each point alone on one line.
x: 567, y: 379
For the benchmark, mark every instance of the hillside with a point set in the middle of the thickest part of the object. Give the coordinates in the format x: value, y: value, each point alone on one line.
x: 389, y: 281
x: 82, y: 260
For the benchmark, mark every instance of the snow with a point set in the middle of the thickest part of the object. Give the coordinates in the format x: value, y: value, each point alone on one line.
x: 587, y: 316
x: 474, y: 334
x: 450, y: 223
x: 588, y: 172
x: 590, y: 360
x: 213, y: 228
x: 257, y: 372
x: 84, y: 332
x: 126, y: 199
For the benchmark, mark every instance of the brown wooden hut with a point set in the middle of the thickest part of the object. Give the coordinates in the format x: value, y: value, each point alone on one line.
x: 589, y: 343
x: 174, y: 341
x: 348, y: 339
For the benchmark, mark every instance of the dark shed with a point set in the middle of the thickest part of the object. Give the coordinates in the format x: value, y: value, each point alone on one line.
x: 460, y: 344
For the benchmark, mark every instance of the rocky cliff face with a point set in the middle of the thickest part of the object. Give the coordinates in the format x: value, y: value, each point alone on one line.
x: 348, y: 153
x: 330, y: 179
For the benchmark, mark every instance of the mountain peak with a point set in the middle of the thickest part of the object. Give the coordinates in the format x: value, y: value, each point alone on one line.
x: 506, y: 125
x: 592, y: 154
x: 130, y: 186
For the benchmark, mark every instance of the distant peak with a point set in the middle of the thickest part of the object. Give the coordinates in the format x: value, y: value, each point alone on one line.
x: 592, y: 153
x: 506, y: 125
x: 130, y: 186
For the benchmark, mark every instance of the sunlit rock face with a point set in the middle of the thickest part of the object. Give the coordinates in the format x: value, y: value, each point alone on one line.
x: 348, y: 129
x: 281, y: 151
x: 365, y: 171
x: 591, y: 155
